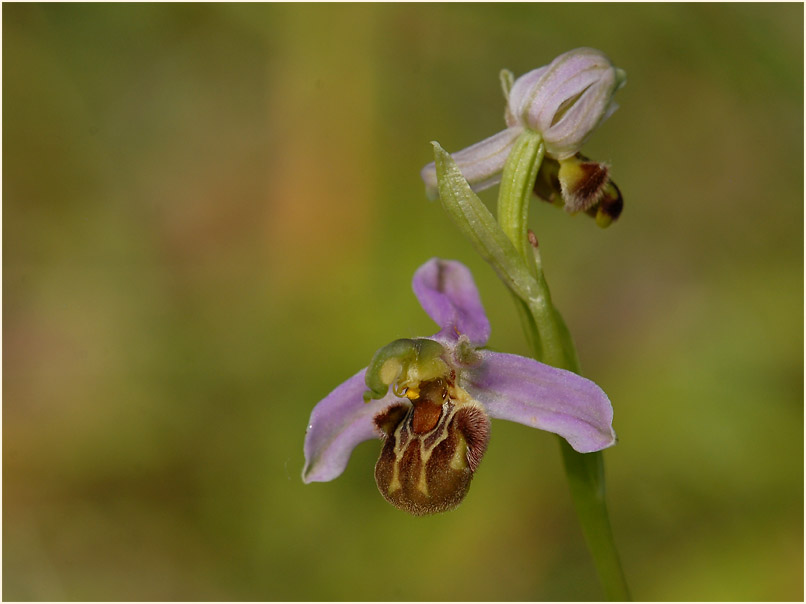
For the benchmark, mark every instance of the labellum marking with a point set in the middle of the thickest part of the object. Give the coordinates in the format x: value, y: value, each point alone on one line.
x: 431, y: 448
x: 582, y: 183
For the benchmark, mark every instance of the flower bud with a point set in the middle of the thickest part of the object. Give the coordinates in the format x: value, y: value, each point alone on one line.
x: 566, y: 100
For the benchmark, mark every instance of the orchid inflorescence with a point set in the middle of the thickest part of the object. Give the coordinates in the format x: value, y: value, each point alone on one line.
x: 431, y: 399
x: 564, y: 102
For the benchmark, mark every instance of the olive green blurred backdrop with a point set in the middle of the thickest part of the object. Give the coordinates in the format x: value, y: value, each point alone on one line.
x: 211, y: 217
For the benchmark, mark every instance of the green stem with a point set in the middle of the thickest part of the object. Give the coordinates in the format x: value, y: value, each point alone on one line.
x: 517, y: 182
x: 552, y: 344
x: 587, y: 481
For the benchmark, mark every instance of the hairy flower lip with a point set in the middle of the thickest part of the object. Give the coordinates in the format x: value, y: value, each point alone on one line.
x: 564, y: 102
x: 507, y: 386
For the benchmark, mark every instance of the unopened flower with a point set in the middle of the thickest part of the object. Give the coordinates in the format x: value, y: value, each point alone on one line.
x: 431, y: 399
x: 563, y: 102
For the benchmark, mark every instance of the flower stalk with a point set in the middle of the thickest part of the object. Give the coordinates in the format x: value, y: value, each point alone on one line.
x: 552, y: 344
x: 517, y: 184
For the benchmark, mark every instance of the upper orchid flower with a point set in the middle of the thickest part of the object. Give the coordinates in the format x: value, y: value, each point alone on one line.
x: 563, y: 102
x: 435, y: 418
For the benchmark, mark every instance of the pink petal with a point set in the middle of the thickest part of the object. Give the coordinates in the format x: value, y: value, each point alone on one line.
x: 447, y: 292
x: 523, y: 390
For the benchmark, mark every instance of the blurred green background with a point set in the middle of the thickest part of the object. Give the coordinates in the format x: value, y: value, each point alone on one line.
x: 211, y: 218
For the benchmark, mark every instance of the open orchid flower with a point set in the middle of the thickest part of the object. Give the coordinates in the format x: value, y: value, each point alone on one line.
x: 431, y: 399
x: 564, y: 102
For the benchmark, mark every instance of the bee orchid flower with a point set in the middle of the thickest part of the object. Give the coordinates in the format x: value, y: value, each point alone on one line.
x: 430, y: 401
x: 564, y: 102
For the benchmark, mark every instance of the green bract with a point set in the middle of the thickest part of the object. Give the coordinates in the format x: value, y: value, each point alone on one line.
x: 474, y: 219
